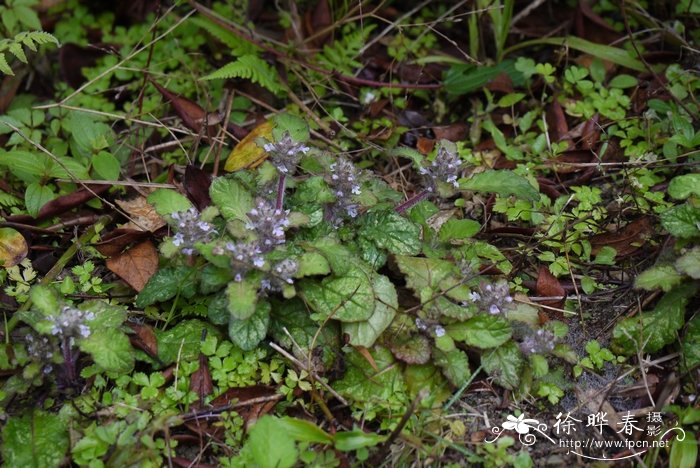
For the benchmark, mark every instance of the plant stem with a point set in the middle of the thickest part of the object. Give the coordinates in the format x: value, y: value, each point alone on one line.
x: 413, y: 201
x: 280, y: 191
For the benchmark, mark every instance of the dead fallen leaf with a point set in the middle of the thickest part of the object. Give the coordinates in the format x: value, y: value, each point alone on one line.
x: 453, y: 132
x: 247, y: 154
x: 144, y: 339
x: 192, y: 114
x: 548, y: 286
x: 565, y: 163
x: 196, y: 185
x: 425, y: 145
x: 200, y: 381
x: 141, y: 212
x: 136, y: 265
x: 13, y: 247
x: 626, y: 240
x: 117, y: 240
x: 368, y: 357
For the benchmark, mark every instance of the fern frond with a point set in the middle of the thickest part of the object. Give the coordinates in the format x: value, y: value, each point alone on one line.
x: 15, y: 46
x: 8, y: 200
x: 4, y: 66
x: 238, y: 45
x: 252, y: 68
x: 340, y: 54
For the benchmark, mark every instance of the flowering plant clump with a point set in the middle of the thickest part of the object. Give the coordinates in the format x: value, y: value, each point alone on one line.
x: 285, y: 154
x: 493, y: 298
x: 190, y: 230
x: 70, y: 323
x: 443, y: 169
x: 268, y: 223
x: 539, y: 342
x: 344, y: 182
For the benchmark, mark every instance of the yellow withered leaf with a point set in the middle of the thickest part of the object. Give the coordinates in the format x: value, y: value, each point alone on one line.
x: 247, y: 154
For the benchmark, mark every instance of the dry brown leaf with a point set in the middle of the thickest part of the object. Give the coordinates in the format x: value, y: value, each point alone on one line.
x: 144, y: 338
x: 626, y: 240
x: 548, y: 286
x: 136, y: 265
x: 200, y: 381
x: 143, y: 214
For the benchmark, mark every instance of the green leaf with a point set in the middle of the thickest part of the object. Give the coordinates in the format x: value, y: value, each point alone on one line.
x: 502, y: 182
x: 662, y: 276
x: 348, y: 441
x: 510, y: 99
x: 428, y: 276
x: 363, y: 384
x: 615, y: 55
x: 504, y: 364
x: 242, y: 299
x: 285, y: 122
x: 218, y: 310
x: 183, y: 341
x: 682, y: 221
x: 89, y: 134
x: 412, y: 349
x: 651, y: 331
x: 482, y: 331
x: 454, y: 229
x: 231, y: 198
x: 454, y: 365
x: 36, y: 196
x: 168, y: 201
x: 681, y: 187
x: 689, y: 263
x: 270, y: 445
x: 391, y: 231
x: 26, y: 166
x: 110, y: 349
x: 249, y: 332
x: 106, y: 315
x: 465, y: 78
x: 684, y: 452
x: 623, y: 81
x: 365, y: 333
x: 106, y: 165
x: 304, y: 431
x: 690, y: 345
x: 166, y: 283
x: 36, y: 440
x: 348, y: 298
x: 312, y: 264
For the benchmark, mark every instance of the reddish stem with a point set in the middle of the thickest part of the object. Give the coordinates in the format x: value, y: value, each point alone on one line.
x: 413, y: 201
x: 280, y: 191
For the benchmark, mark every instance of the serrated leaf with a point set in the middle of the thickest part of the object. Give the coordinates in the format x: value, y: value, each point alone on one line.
x: 242, y: 299
x: 504, y: 364
x: 690, y: 344
x: 4, y: 66
x: 248, y: 333
x: 362, y: 383
x: 454, y: 365
x: 16, y: 50
x: 391, y: 231
x: 681, y: 187
x: 455, y: 229
x: 689, y: 263
x: 110, y: 349
x: 166, y: 284
x: 413, y: 349
x: 427, y: 276
x: 502, y: 182
x: 366, y: 332
x: 348, y: 298
x: 36, y: 440
x: 682, y: 221
x: 183, y: 341
x: 168, y: 201
x: 662, y: 276
x: 231, y: 198
x: 482, y: 331
x: 651, y: 331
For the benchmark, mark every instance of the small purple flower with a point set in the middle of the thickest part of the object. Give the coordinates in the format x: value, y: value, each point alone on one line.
x: 443, y: 169
x: 285, y: 154
x: 39, y: 347
x: 492, y: 298
x: 539, y: 342
x: 244, y: 257
x: 268, y: 223
x: 344, y: 180
x: 282, y: 274
x: 70, y: 323
x: 190, y: 230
